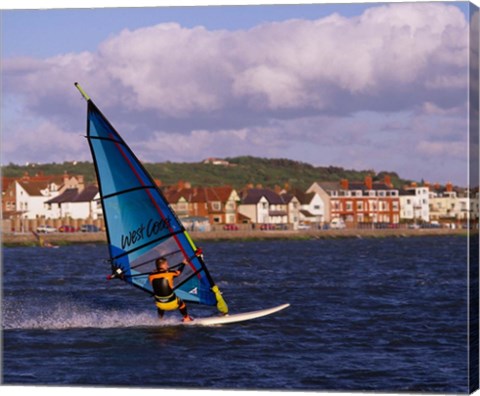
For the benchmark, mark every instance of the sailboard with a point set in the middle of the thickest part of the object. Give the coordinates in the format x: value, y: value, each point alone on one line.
x: 234, y: 318
x: 140, y: 224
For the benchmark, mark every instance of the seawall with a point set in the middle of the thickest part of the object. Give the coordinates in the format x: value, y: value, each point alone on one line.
x: 28, y: 239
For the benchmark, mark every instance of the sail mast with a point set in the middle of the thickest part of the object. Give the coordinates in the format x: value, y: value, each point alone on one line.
x: 84, y: 94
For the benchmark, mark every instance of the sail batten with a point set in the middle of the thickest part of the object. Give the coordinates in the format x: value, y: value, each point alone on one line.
x: 108, y: 139
x: 127, y: 191
x: 141, y: 225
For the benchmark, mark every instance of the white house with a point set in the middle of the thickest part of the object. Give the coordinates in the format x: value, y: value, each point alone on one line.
x: 450, y: 205
x: 313, y: 207
x: 263, y: 206
x: 31, y: 195
x: 76, y: 203
x: 293, y: 208
x: 414, y: 203
x: 321, y: 203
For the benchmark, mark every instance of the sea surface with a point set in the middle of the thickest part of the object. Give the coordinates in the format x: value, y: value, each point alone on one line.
x: 386, y: 314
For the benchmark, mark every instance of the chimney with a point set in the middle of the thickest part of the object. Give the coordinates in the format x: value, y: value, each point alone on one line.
x: 81, y: 183
x: 344, y: 184
x: 388, y: 181
x: 449, y: 187
x: 369, y: 182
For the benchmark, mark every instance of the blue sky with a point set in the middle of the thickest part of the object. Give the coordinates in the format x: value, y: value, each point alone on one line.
x: 377, y: 86
x: 50, y: 32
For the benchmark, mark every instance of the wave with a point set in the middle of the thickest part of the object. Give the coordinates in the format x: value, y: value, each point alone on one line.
x: 63, y: 316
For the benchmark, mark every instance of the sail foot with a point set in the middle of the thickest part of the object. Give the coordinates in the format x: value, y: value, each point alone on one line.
x: 221, y: 304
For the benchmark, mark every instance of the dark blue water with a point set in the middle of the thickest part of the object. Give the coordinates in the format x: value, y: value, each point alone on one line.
x: 366, y: 314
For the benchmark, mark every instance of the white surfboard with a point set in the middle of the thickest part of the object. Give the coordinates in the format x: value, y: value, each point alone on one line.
x: 241, y: 317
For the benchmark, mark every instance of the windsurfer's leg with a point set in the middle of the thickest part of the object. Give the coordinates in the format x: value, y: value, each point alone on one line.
x: 182, y: 307
x: 160, y: 313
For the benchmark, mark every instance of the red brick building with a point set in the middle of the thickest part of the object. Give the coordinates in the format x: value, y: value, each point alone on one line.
x: 362, y: 202
x: 218, y: 204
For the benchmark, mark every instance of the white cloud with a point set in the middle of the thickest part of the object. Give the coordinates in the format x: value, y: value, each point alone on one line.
x: 439, y: 149
x: 261, y: 141
x: 334, y: 81
x: 43, y: 141
x: 292, y: 64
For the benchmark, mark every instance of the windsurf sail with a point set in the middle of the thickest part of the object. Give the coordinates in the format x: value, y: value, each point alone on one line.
x: 141, y: 226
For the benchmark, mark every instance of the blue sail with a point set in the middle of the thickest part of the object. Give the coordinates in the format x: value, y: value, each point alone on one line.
x: 141, y: 225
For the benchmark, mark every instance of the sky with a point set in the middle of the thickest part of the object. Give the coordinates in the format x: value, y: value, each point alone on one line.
x: 380, y: 86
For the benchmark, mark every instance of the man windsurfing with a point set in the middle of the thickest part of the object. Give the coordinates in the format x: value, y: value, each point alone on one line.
x: 163, y: 285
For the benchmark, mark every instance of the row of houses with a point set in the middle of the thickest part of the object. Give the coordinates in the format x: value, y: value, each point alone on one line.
x: 351, y: 202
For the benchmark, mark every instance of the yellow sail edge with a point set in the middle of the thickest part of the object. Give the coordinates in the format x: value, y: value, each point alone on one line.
x: 190, y: 240
x: 221, y: 304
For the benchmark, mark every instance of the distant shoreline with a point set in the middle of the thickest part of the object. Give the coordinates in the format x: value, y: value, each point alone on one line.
x: 28, y: 239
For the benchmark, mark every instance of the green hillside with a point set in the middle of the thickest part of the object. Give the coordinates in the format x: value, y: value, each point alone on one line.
x: 240, y: 172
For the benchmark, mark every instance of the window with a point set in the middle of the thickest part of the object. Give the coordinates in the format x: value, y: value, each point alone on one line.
x: 216, y: 205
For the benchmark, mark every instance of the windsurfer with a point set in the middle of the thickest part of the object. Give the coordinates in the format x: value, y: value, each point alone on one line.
x: 162, y: 283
